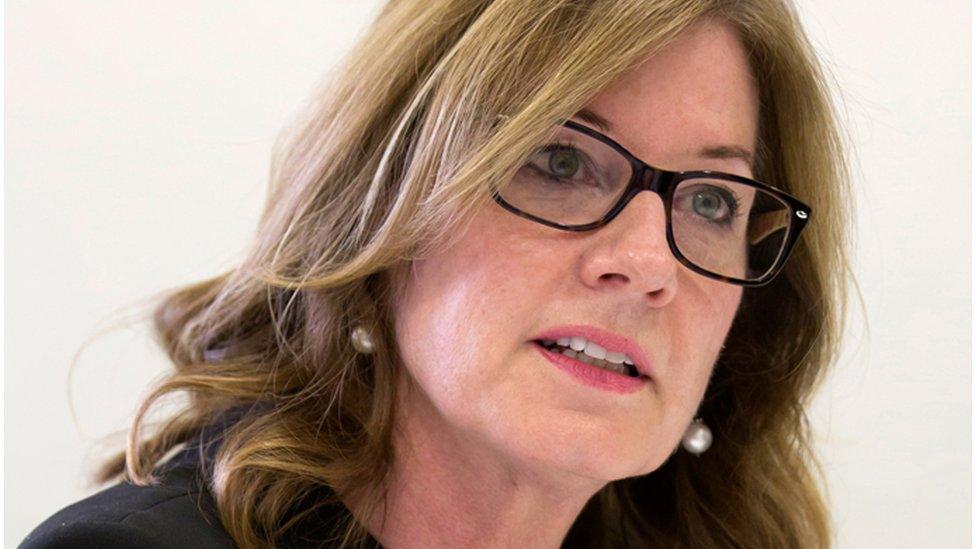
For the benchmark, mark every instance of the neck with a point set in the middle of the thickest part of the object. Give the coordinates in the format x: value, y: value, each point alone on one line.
x: 451, y: 489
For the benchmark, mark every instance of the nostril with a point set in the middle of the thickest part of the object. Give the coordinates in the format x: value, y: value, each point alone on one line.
x: 661, y: 295
x: 611, y: 276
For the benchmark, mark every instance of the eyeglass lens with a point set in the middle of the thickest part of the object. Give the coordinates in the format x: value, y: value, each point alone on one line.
x: 724, y: 227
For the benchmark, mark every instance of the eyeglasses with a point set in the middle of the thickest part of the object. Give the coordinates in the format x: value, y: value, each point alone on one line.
x: 722, y: 226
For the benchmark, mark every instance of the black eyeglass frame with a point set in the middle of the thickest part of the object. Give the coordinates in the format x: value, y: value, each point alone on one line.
x: 645, y: 177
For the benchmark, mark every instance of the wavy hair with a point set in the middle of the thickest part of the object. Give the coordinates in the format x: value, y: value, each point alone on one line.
x: 439, y: 101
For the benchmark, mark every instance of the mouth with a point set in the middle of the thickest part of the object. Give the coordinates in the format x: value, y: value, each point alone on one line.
x: 613, y: 362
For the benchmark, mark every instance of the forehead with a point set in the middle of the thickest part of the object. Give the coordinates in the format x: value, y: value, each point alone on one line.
x: 697, y: 91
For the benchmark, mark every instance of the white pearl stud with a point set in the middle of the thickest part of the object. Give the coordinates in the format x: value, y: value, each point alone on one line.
x: 697, y: 438
x: 362, y: 340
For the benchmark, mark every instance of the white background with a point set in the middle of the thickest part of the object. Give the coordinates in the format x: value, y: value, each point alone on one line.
x: 137, y: 149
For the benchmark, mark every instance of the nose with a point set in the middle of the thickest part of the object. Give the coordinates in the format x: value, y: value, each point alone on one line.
x: 631, y: 252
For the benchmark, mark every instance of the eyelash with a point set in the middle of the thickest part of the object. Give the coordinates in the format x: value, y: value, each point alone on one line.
x: 736, y: 206
x: 561, y: 145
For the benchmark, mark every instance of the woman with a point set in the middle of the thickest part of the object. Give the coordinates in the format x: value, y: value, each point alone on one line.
x: 402, y: 360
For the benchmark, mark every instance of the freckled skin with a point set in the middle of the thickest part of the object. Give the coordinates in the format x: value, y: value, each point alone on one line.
x: 477, y: 394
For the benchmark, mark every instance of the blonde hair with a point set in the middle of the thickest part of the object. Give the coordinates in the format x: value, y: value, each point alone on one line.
x: 440, y: 101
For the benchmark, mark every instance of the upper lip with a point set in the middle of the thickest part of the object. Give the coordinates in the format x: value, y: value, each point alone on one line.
x: 608, y: 340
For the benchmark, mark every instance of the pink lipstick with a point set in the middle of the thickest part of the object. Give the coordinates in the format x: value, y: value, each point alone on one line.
x: 594, y: 376
x: 639, y: 366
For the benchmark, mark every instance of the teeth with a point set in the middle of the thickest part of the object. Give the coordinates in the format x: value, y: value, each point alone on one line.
x: 591, y: 351
x: 595, y: 350
x: 582, y: 357
x: 577, y: 343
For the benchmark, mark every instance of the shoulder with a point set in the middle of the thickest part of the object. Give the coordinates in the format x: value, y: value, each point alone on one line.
x: 179, y: 512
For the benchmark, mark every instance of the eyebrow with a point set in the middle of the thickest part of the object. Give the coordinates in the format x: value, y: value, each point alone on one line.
x: 586, y: 115
x: 717, y: 152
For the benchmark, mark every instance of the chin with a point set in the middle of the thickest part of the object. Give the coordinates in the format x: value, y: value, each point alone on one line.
x: 608, y: 471
x: 593, y: 458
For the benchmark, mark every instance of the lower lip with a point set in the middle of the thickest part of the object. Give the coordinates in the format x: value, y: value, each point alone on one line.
x: 593, y: 375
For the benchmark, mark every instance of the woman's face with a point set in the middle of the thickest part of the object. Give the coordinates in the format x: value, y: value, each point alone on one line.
x: 467, y: 320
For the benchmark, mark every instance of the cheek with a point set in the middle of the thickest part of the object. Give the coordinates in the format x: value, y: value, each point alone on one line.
x: 701, y: 316
x: 435, y: 327
x: 704, y: 327
x: 466, y: 309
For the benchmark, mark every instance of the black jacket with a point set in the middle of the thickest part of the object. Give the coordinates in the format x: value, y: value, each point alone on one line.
x: 178, y: 513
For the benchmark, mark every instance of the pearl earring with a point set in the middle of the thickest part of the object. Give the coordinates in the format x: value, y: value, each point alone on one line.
x: 697, y: 438
x: 362, y: 340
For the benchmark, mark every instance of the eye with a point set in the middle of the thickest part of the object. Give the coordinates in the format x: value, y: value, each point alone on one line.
x: 711, y: 203
x: 574, y: 163
x: 564, y: 162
